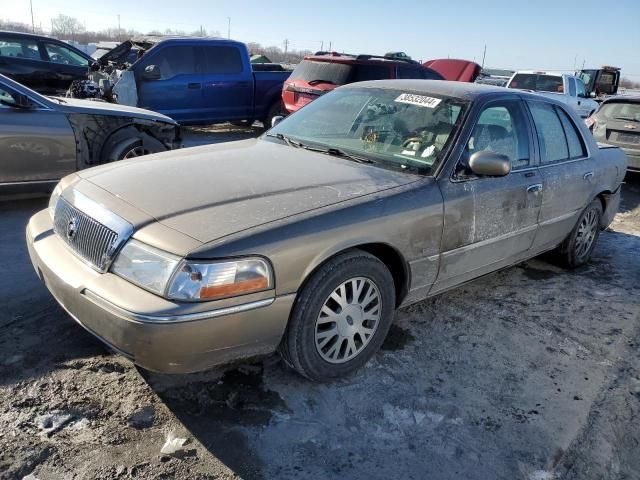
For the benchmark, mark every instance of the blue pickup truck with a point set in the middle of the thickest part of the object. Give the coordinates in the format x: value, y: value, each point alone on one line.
x: 192, y: 80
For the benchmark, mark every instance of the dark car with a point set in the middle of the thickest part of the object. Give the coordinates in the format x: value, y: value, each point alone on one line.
x: 320, y: 73
x: 617, y: 122
x: 43, y: 64
x: 45, y: 138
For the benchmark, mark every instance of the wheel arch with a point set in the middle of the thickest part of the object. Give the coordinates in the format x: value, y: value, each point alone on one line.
x: 388, y: 255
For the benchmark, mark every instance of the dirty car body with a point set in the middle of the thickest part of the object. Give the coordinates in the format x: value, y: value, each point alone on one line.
x: 43, y: 139
x: 241, y: 236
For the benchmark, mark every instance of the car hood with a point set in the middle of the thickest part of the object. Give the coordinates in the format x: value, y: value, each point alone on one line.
x: 93, y: 107
x: 213, y: 191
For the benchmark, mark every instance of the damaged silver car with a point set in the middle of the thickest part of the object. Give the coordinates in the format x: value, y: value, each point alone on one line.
x: 42, y: 139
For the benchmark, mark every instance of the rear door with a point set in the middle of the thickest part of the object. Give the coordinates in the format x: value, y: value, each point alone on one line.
x: 178, y: 90
x: 490, y: 222
x: 228, y: 83
x: 567, y: 172
x: 36, y: 144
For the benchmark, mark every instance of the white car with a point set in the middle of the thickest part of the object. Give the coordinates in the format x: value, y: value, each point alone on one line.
x: 566, y: 88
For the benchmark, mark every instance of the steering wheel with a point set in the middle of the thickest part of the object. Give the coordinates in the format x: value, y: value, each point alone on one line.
x: 410, y: 140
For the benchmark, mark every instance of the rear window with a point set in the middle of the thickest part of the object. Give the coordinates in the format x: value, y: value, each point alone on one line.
x: 222, y: 60
x: 536, y: 82
x: 313, y: 71
x: 629, y: 112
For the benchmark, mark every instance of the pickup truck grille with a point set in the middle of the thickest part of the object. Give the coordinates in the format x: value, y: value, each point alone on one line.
x: 88, y: 238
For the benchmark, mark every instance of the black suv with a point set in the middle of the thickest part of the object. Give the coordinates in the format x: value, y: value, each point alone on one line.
x: 44, y: 64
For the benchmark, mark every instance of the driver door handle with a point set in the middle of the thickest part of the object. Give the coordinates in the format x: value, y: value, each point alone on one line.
x: 588, y: 175
x: 193, y: 85
x: 535, y: 188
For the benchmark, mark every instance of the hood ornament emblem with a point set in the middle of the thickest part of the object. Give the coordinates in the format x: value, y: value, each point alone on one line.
x: 72, y: 229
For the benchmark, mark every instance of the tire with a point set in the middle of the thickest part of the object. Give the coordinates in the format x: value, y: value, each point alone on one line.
x: 321, y: 349
x: 242, y: 123
x: 274, y: 110
x: 577, y: 248
x: 129, y: 143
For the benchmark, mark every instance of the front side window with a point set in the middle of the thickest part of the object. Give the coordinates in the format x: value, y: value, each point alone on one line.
x: 572, y: 87
x: 371, y: 72
x: 580, y: 90
x: 59, y: 54
x: 19, y: 48
x: 173, y: 61
x: 408, y: 131
x: 551, y: 137
x: 502, y: 128
x: 410, y: 72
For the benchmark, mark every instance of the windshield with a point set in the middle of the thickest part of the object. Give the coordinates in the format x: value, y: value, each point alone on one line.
x: 620, y: 111
x: 537, y: 82
x: 391, y: 128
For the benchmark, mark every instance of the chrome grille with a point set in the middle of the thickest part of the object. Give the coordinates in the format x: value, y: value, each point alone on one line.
x: 90, y: 239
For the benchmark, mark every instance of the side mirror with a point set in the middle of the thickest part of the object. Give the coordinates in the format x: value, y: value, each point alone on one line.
x: 276, y: 120
x: 151, y: 72
x: 592, y: 94
x: 490, y: 164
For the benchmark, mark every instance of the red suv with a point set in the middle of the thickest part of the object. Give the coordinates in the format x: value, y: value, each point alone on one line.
x: 320, y: 73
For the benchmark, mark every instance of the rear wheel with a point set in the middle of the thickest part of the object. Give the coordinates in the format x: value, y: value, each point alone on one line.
x: 577, y: 248
x: 341, y: 317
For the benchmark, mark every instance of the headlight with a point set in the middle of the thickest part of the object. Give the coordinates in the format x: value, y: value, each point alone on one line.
x: 53, y: 200
x: 145, y: 266
x: 210, y: 281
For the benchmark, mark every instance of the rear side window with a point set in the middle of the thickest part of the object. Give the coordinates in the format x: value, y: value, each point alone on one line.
x: 19, y: 48
x: 572, y: 87
x: 551, y: 137
x: 371, y: 72
x: 222, y: 60
x: 580, y: 90
x: 537, y: 82
x: 410, y: 72
x: 429, y: 74
x: 574, y: 140
x: 173, y: 61
x: 313, y: 72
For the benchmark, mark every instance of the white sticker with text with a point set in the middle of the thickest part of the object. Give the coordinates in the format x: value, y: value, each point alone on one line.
x: 419, y: 100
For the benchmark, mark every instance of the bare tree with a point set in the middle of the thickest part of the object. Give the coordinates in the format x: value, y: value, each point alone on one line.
x: 67, y: 27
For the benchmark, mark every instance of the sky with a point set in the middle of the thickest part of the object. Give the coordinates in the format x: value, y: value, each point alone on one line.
x: 540, y: 34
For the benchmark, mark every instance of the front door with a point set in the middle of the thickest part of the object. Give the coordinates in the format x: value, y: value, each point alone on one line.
x: 567, y: 173
x: 490, y: 222
x: 36, y: 144
x: 177, y: 91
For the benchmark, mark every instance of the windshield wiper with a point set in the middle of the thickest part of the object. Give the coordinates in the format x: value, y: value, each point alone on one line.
x: 319, y: 80
x: 626, y: 118
x: 285, y: 139
x: 337, y: 152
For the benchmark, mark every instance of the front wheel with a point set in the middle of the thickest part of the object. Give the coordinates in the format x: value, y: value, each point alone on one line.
x: 577, y: 248
x: 129, y: 143
x: 341, y: 317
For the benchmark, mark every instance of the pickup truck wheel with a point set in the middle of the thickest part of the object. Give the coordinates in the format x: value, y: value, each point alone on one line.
x: 129, y: 143
x: 242, y: 123
x: 576, y: 250
x: 274, y: 110
x: 341, y: 317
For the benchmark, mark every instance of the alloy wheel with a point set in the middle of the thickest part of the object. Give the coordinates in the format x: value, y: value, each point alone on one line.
x: 586, y: 233
x: 138, y: 151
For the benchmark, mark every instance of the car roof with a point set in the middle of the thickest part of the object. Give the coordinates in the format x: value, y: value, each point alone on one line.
x: 633, y: 98
x: 465, y: 90
x: 360, y: 59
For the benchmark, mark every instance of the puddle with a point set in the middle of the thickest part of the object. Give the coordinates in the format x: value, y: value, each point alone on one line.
x: 397, y: 338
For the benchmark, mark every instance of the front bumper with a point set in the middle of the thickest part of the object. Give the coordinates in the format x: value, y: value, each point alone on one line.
x: 155, y: 333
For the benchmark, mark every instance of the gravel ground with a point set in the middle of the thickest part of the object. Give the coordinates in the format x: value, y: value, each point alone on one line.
x: 532, y: 373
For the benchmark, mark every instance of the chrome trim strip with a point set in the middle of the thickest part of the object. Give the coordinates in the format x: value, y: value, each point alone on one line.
x: 488, y: 241
x: 164, y: 319
x: 559, y: 218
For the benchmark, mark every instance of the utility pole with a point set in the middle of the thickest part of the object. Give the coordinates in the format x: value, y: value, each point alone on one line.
x: 484, y: 54
x: 286, y: 47
x: 330, y: 46
x: 229, y: 28
x: 322, y: 45
x: 33, y: 24
x: 118, y: 37
x: 201, y: 33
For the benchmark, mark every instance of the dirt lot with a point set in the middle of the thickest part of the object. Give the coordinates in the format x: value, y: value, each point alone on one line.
x: 532, y: 373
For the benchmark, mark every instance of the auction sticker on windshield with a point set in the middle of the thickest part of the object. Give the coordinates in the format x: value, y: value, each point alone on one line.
x: 420, y: 100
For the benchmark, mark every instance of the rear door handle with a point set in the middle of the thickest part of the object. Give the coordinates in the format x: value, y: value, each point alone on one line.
x: 535, y: 188
x: 587, y: 175
x: 193, y: 85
